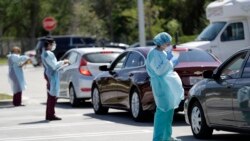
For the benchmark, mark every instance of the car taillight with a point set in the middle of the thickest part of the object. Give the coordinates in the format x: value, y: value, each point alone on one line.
x: 83, y: 69
x: 106, y: 52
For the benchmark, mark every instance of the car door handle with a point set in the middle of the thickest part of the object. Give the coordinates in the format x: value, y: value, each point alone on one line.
x: 229, y: 86
x: 131, y: 74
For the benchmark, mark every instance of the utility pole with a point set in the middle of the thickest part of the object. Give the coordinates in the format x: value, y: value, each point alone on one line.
x: 141, y: 22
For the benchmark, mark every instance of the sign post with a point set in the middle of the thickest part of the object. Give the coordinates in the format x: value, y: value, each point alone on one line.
x: 49, y: 24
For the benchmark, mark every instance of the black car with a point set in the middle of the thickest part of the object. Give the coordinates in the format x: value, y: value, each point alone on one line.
x: 125, y: 84
x: 222, y: 100
x: 63, y: 44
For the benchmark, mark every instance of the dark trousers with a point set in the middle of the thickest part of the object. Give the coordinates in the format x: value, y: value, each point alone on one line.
x: 50, y: 109
x: 17, y: 99
x: 51, y: 102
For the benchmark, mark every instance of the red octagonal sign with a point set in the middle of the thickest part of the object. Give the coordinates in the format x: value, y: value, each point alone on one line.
x: 49, y: 23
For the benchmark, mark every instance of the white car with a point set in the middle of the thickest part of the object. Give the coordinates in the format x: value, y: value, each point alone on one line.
x: 76, y: 79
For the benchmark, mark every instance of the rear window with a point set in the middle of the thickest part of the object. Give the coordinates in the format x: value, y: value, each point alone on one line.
x: 196, y: 56
x: 101, y: 57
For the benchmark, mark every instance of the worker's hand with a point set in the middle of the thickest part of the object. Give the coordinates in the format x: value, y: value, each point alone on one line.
x: 66, y: 61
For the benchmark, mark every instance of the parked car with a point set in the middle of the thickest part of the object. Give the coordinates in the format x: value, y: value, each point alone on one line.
x: 63, y: 44
x: 148, y: 43
x: 76, y: 78
x: 116, y: 45
x: 125, y: 83
x: 222, y: 100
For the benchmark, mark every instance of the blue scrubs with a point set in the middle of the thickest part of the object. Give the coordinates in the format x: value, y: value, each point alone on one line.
x: 167, y: 90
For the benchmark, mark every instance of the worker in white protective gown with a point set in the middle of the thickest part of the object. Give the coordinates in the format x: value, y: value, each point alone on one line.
x: 16, y: 76
x: 166, y: 86
x: 51, y: 67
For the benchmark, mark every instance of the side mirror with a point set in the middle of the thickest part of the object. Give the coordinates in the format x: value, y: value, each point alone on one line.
x: 207, y: 74
x: 104, y: 68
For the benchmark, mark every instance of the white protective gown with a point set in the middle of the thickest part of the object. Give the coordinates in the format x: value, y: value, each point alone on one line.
x: 16, y: 76
x: 51, y: 66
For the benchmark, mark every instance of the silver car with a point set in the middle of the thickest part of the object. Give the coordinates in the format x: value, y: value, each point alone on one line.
x: 76, y: 78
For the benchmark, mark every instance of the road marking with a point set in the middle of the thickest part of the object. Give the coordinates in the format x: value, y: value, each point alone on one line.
x: 51, y: 125
x: 5, y: 119
x: 77, y: 135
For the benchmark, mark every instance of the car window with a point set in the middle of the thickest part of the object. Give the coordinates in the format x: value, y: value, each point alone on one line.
x: 232, y: 69
x: 101, y: 57
x: 234, y: 31
x: 78, y: 41
x: 134, y: 60
x: 195, y: 56
x: 62, y: 42
x: 118, y: 63
x: 246, y: 71
x: 72, y: 57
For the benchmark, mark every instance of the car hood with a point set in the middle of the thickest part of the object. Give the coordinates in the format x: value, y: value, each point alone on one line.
x: 195, y: 44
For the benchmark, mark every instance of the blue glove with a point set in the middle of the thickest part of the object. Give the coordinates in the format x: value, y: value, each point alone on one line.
x: 175, y: 61
x: 169, y: 54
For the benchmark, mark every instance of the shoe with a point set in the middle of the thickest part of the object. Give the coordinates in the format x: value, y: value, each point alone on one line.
x: 53, y: 118
x: 174, y: 139
x: 19, y: 105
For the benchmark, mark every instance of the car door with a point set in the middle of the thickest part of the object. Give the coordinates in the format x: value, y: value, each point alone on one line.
x: 241, y: 99
x: 66, y: 73
x: 233, y: 38
x: 124, y: 77
x: 220, y: 92
x: 108, y: 83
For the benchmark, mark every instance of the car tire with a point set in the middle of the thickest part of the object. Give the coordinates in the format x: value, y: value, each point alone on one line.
x: 96, y: 101
x: 135, y: 106
x: 72, y: 97
x: 198, y: 123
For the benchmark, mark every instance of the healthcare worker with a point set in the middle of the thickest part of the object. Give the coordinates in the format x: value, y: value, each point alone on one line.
x: 16, y: 77
x: 51, y: 66
x: 166, y: 85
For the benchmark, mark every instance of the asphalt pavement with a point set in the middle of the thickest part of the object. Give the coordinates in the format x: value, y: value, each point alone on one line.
x: 27, y: 123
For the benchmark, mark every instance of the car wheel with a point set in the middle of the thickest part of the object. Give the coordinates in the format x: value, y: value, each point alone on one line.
x: 135, y: 106
x: 97, y: 106
x: 72, y: 97
x: 198, y: 122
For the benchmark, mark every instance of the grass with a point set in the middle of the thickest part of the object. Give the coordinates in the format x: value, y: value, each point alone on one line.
x: 3, y: 61
x: 5, y: 96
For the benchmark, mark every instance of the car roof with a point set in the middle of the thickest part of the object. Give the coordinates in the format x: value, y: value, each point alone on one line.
x: 145, y: 50
x: 62, y: 36
x: 95, y: 49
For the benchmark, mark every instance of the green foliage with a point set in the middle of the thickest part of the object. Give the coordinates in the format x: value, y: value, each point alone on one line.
x: 108, y: 19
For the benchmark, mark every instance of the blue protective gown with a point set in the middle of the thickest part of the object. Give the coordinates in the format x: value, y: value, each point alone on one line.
x: 51, y: 66
x: 167, y: 90
x: 16, y: 77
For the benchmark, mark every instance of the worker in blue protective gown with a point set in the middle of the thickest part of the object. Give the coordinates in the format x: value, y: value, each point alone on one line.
x: 51, y: 66
x: 16, y: 76
x: 166, y: 85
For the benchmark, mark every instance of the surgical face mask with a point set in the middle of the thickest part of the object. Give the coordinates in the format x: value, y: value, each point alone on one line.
x: 53, y: 47
x: 169, y: 48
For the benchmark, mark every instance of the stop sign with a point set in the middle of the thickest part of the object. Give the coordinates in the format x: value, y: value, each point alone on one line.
x: 49, y: 23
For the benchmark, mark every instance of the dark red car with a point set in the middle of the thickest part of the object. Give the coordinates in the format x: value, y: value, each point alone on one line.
x: 125, y: 84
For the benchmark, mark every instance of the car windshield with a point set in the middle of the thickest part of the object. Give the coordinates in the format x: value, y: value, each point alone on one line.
x: 101, y: 57
x: 196, y: 56
x: 211, y: 31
